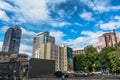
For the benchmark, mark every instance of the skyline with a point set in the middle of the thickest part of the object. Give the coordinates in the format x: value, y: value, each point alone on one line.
x: 75, y: 23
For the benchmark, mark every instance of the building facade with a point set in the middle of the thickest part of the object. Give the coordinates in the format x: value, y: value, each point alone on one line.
x: 78, y: 51
x: 107, y: 39
x: 12, y: 39
x: 42, y: 38
x: 13, y: 65
x: 61, y: 54
x: 38, y: 67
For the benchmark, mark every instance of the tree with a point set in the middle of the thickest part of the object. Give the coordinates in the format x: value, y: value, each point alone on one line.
x: 104, y: 57
x: 89, y: 49
x: 91, y: 60
x: 90, y: 57
x: 79, y: 63
x: 114, y: 62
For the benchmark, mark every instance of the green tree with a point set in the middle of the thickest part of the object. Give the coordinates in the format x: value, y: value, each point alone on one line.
x: 90, y: 49
x: 90, y: 57
x: 114, y: 62
x: 79, y: 63
x: 104, y: 57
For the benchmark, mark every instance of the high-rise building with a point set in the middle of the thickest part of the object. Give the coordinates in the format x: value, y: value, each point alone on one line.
x: 107, y: 39
x: 12, y: 39
x: 61, y: 54
x: 42, y: 38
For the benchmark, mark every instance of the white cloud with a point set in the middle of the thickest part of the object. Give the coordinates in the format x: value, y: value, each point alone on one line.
x: 64, y: 24
x: 87, y: 16
x: 58, y: 36
x: 27, y: 33
x: 117, y: 17
x: 90, y: 38
x: 92, y: 34
x: 78, y: 24
x: 34, y: 10
x: 27, y: 38
x: 1, y: 43
x: 100, y: 5
x: 61, y: 13
x: 3, y: 16
x: 26, y: 42
x: 73, y: 31
x: 57, y: 1
x: 60, y: 24
x: 26, y: 49
x: 3, y: 29
x: 5, y: 6
x: 110, y: 25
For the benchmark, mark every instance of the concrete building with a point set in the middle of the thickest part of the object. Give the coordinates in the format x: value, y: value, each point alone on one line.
x: 42, y: 38
x: 7, y: 57
x: 13, y: 65
x: 12, y: 39
x: 107, y: 39
x: 37, y: 70
x: 69, y: 56
x: 78, y: 51
x: 61, y: 54
x: 4, y: 57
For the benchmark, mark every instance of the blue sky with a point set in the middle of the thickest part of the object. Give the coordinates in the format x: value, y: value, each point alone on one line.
x: 75, y: 23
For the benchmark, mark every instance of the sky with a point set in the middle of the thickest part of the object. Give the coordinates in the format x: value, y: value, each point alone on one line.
x: 75, y: 23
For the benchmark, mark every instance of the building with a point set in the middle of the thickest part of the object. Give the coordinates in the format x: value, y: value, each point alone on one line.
x: 12, y: 39
x: 38, y: 67
x: 42, y: 38
x: 13, y: 65
x: 78, y: 51
x: 4, y: 57
x: 107, y: 39
x: 61, y: 54
x: 68, y: 51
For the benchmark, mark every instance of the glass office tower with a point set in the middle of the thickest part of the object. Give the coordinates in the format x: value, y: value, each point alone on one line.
x: 12, y: 39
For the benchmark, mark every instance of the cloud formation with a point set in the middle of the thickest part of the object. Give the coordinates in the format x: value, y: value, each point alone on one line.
x: 87, y: 16
x: 110, y: 25
x: 100, y: 5
x: 1, y: 43
x: 3, y: 29
x: 3, y: 16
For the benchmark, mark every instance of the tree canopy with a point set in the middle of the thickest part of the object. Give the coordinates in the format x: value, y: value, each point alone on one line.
x: 107, y: 59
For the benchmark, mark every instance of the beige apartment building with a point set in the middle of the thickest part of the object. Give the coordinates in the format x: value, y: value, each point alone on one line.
x: 51, y: 51
x: 78, y: 51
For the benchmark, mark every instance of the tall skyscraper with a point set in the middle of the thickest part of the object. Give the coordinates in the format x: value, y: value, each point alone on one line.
x: 12, y: 39
x: 42, y: 38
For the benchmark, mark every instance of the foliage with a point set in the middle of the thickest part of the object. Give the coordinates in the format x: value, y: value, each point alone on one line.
x: 91, y: 60
x: 114, y: 62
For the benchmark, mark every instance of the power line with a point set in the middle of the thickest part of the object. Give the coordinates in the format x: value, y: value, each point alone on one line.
x: 84, y: 41
x: 95, y: 6
x: 97, y: 9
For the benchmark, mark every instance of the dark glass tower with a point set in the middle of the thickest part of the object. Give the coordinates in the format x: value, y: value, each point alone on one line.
x: 12, y: 40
